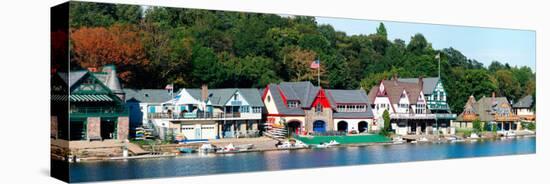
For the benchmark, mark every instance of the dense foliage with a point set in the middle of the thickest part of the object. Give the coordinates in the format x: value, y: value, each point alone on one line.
x: 156, y: 46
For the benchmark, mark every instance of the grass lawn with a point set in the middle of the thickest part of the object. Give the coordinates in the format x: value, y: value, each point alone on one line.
x: 355, y: 139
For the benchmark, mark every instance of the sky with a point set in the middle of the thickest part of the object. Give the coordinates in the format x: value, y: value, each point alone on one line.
x: 515, y: 47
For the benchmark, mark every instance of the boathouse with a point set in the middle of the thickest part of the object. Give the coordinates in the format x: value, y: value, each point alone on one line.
x: 97, y: 110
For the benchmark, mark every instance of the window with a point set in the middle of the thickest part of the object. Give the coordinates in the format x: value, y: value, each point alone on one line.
x: 293, y: 103
x: 420, y: 109
x: 235, y: 96
x: 257, y: 109
x: 245, y: 109
x: 319, y: 108
x: 268, y: 98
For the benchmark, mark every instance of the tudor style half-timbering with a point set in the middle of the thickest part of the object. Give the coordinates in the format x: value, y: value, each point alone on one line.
x: 97, y: 109
x: 436, y: 101
x: 406, y: 104
x: 301, y: 108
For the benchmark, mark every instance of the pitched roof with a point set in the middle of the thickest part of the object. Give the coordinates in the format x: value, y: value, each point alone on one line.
x: 487, y: 106
x: 303, y: 91
x: 337, y: 96
x: 218, y: 97
x: 107, y: 76
x: 75, y: 76
x: 395, y: 88
x: 525, y: 102
x: 252, y: 96
x: 429, y: 83
x: 147, y: 95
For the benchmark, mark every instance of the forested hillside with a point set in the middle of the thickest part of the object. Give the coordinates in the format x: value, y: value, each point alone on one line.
x: 189, y: 47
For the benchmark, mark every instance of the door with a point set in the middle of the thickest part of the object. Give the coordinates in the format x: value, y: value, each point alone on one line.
x: 188, y: 131
x: 319, y: 126
x: 198, y: 132
x: 207, y: 132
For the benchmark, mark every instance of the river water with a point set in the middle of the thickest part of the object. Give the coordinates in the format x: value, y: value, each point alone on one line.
x: 195, y: 164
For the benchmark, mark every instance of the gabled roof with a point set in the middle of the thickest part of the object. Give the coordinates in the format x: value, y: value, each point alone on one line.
x: 525, y: 102
x: 486, y: 107
x: 277, y: 99
x: 303, y: 91
x: 75, y: 76
x: 107, y: 76
x: 219, y: 97
x: 147, y: 95
x: 429, y: 83
x: 395, y: 88
x: 338, y: 96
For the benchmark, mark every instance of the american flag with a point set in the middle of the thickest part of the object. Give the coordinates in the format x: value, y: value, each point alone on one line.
x: 315, y: 64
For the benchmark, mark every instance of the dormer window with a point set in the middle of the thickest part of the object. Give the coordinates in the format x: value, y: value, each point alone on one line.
x: 293, y: 103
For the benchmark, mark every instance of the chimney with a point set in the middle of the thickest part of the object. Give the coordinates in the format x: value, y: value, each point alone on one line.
x: 204, y: 92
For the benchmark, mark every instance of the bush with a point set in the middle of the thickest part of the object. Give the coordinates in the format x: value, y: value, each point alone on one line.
x: 477, y: 125
x: 531, y: 126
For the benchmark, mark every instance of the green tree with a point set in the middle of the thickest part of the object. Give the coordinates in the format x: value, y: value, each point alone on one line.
x: 387, y: 125
x: 508, y: 86
x: 477, y: 125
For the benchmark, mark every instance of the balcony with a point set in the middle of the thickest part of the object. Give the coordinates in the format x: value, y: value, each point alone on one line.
x: 469, y: 117
x: 445, y: 116
x: 412, y: 116
x: 192, y: 116
x: 98, y: 111
x: 511, y: 117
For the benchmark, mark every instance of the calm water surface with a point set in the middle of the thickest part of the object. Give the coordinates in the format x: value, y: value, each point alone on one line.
x: 196, y: 164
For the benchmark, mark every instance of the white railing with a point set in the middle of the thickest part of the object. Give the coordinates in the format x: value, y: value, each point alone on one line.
x: 412, y: 116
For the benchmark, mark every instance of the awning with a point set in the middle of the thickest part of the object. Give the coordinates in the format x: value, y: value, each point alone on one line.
x: 91, y: 98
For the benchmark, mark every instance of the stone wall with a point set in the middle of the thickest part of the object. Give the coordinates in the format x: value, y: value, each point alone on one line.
x: 123, y: 127
x: 312, y: 116
x: 93, y: 128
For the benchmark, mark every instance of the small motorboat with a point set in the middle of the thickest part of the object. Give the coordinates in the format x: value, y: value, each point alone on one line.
x: 474, y: 136
x: 186, y: 150
x: 422, y: 140
x: 326, y: 145
x: 292, y: 144
x: 207, y: 148
x: 398, y: 140
x: 229, y: 148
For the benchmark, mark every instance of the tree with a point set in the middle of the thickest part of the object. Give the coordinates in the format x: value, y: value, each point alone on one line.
x: 477, y: 125
x: 381, y: 30
x: 251, y: 71
x: 205, y: 68
x: 119, y: 45
x: 418, y: 44
x: 299, y: 61
x: 508, y: 86
x: 387, y: 125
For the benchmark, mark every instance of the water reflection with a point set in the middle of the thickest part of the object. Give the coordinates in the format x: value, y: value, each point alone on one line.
x: 199, y: 164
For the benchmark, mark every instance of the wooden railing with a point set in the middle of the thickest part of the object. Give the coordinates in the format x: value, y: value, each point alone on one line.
x: 511, y: 117
x: 469, y: 117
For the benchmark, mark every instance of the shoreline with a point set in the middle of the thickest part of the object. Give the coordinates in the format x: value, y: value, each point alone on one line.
x: 170, y: 155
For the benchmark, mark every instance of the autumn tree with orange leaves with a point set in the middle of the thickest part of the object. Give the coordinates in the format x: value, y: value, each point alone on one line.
x: 119, y: 45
